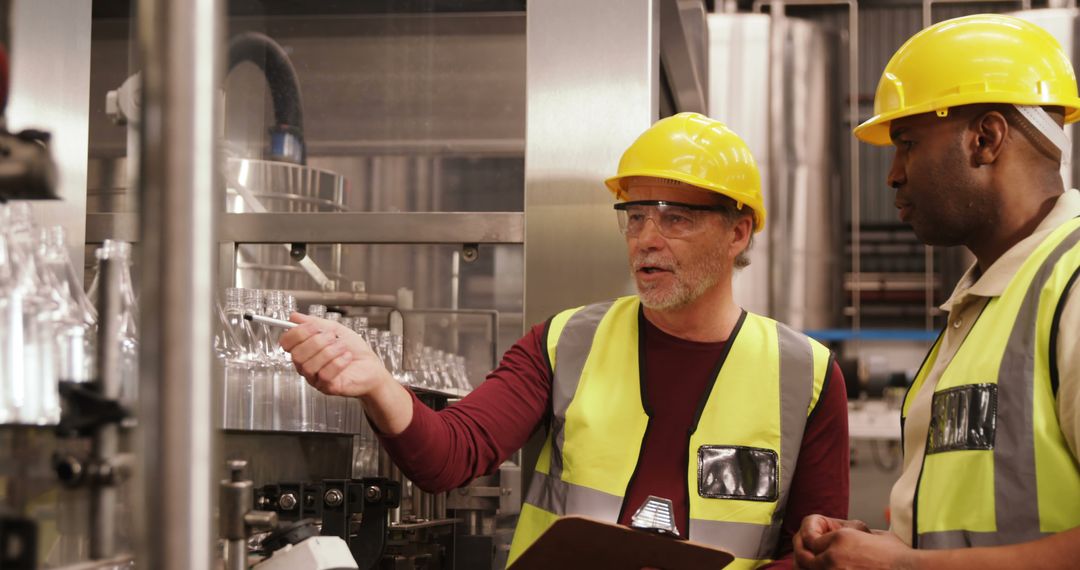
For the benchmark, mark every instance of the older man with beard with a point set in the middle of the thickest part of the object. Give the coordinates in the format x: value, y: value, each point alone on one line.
x: 676, y: 392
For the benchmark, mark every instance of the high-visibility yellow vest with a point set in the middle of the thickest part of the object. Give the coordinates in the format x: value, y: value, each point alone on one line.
x: 743, y: 445
x: 997, y: 469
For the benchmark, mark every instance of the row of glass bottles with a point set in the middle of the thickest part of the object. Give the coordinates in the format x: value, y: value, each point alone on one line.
x: 263, y: 390
x: 48, y: 326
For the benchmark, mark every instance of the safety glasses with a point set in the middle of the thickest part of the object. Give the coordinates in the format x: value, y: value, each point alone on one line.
x: 672, y: 219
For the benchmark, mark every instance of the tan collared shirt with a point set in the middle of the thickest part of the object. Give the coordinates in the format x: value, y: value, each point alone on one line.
x: 963, y: 307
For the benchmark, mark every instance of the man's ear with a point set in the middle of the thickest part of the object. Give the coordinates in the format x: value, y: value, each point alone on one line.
x: 741, y: 231
x: 989, y: 130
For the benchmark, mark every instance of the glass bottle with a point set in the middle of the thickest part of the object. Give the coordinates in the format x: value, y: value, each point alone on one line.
x: 445, y: 382
x: 76, y: 327
x: 314, y: 401
x: 127, y: 335
x: 236, y: 354
x: 285, y: 402
x: 261, y: 372
x: 462, y: 374
x: 32, y: 309
x: 10, y: 331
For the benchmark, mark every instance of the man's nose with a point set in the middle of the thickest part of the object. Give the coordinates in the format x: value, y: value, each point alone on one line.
x: 897, y: 174
x: 650, y: 233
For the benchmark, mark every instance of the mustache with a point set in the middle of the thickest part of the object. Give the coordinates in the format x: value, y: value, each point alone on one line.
x: 652, y: 260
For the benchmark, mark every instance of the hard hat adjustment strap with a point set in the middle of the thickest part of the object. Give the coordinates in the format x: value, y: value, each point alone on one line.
x: 1041, y: 120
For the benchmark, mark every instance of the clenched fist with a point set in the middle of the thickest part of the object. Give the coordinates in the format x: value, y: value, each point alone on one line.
x: 333, y: 358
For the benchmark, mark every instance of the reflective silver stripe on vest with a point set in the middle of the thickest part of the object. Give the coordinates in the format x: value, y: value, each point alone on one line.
x: 1016, y: 498
x: 571, y: 352
x: 744, y: 540
x: 964, y: 539
x: 796, y: 391
x: 562, y: 498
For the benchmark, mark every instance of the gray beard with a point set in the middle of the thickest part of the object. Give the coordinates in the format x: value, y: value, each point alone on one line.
x: 686, y: 289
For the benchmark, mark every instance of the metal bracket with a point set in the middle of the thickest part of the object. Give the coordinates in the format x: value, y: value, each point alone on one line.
x: 85, y: 409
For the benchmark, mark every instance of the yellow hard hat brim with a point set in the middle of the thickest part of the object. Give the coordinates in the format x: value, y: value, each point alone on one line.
x: 875, y: 130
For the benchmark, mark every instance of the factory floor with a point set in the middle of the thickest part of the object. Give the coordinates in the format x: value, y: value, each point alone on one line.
x: 875, y: 466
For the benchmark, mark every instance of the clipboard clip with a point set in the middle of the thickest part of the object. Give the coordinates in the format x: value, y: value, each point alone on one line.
x: 656, y: 515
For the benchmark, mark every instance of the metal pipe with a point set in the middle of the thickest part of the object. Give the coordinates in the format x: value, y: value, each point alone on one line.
x: 928, y: 7
x: 440, y: 506
x: 287, y: 134
x: 472, y: 522
x: 427, y: 506
x: 236, y: 555
x: 853, y: 114
x: 105, y: 443
x: 179, y: 46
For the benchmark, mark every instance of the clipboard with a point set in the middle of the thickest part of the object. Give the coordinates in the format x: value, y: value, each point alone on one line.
x: 574, y: 542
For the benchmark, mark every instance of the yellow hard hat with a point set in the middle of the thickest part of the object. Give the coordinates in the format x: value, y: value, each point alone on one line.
x: 697, y: 150
x: 985, y: 58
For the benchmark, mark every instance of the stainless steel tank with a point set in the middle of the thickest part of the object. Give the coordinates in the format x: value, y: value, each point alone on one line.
x: 758, y: 68
x: 251, y: 186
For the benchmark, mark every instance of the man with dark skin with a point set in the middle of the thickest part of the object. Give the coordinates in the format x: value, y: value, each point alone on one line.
x: 985, y: 176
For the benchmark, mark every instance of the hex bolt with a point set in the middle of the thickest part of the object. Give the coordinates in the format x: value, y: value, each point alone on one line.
x: 287, y: 502
x: 373, y: 493
x: 333, y: 498
x: 236, y: 469
x: 470, y: 252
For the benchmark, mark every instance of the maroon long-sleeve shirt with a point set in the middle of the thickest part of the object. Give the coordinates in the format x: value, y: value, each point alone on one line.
x: 443, y: 450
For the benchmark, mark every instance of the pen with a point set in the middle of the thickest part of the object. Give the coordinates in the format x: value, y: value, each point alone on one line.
x: 269, y: 321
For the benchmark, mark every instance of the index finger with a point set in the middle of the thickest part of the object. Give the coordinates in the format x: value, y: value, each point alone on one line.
x: 298, y: 334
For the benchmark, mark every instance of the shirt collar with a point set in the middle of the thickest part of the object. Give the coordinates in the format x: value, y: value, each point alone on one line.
x: 993, y: 281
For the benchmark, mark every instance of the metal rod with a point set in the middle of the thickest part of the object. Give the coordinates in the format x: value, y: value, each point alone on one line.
x: 928, y: 7
x: 179, y: 47
x: 344, y: 298
x: 856, y: 183
x: 105, y: 443
x: 440, y: 506
x: 236, y: 555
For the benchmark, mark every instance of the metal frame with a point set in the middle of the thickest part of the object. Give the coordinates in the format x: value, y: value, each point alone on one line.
x: 179, y: 46
x: 343, y: 228
x: 684, y: 63
x: 466, y: 228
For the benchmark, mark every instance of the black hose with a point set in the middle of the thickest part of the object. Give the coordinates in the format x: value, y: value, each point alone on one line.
x: 281, y: 76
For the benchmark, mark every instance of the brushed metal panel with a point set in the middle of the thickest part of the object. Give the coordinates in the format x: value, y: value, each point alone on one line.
x: 738, y: 83
x: 592, y: 82
x: 50, y: 90
x: 179, y: 193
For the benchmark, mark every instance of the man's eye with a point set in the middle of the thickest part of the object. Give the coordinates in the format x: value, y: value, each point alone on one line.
x: 675, y: 218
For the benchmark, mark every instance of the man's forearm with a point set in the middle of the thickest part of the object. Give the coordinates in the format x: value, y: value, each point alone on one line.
x: 1057, y: 551
x: 389, y: 407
